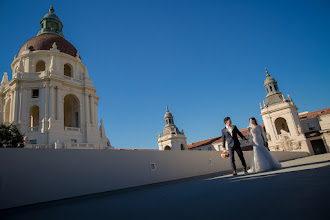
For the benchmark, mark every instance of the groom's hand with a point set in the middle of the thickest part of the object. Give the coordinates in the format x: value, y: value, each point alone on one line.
x: 246, y: 141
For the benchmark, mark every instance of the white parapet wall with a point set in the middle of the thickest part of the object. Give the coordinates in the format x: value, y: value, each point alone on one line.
x: 29, y: 176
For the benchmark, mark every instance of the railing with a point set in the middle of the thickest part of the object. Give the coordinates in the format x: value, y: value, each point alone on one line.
x: 71, y: 129
x: 35, y: 146
x: 69, y: 145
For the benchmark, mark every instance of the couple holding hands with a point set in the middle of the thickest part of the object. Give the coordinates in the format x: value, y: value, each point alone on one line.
x: 261, y: 159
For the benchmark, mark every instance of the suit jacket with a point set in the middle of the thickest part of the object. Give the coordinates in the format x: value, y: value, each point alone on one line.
x: 232, y: 140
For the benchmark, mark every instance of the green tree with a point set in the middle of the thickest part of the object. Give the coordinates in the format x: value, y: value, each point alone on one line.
x: 10, y: 136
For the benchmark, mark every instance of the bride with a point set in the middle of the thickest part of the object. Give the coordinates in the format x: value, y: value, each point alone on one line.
x: 261, y: 159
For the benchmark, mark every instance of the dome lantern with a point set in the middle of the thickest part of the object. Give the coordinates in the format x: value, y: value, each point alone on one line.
x: 51, y: 24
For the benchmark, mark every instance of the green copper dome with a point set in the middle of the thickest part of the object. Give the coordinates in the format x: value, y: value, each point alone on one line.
x: 51, y: 24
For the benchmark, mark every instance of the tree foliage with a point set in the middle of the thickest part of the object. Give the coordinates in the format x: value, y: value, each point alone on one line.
x: 10, y: 136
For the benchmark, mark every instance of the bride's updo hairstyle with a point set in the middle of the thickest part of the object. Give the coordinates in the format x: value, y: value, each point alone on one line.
x: 254, y: 119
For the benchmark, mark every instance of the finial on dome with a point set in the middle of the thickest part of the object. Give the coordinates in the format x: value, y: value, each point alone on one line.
x: 167, y: 108
x: 51, y: 9
x: 266, y: 72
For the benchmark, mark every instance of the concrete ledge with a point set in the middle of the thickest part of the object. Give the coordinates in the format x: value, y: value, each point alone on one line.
x: 29, y: 176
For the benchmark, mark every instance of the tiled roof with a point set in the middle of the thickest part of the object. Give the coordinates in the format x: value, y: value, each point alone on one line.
x: 315, y: 114
x: 214, y: 140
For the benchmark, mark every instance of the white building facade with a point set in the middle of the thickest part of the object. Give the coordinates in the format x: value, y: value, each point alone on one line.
x: 51, y: 98
x: 172, y: 138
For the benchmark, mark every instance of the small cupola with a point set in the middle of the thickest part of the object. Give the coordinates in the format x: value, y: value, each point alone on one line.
x: 168, y: 117
x: 270, y: 83
x: 51, y: 24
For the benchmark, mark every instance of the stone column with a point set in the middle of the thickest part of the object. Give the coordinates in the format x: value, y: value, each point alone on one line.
x: 92, y: 109
x: 20, y: 105
x: 96, y: 120
x: 15, y: 105
x: 51, y: 101
x: 58, y: 104
x: 86, y: 109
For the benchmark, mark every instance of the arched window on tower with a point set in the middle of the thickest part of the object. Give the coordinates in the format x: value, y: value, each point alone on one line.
x: 280, y: 124
x: 34, y: 118
x: 67, y: 70
x: 276, y: 88
x: 271, y: 88
x: 182, y: 147
x: 71, y: 111
x: 167, y: 148
x: 40, y: 66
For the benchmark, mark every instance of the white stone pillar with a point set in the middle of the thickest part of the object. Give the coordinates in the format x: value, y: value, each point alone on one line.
x: 86, y: 109
x: 51, y: 101
x: 58, y: 104
x: 11, y: 113
x: 15, y: 105
x: 96, y: 120
x: 92, y: 108
x: 20, y: 105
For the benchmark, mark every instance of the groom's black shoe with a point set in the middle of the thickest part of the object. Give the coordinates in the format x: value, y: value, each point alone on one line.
x: 235, y: 173
x: 245, y: 171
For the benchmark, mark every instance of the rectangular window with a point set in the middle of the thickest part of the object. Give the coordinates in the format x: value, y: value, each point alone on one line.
x: 33, y: 141
x: 35, y: 93
x: 56, y: 26
x: 49, y: 25
x: 209, y: 148
x: 73, y: 141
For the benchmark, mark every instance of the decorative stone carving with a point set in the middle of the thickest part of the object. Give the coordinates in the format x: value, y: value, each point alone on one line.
x: 4, y: 80
x: 260, y: 105
x: 52, y: 64
x: 54, y: 46
x: 20, y: 66
x: 299, y: 129
x: 268, y: 137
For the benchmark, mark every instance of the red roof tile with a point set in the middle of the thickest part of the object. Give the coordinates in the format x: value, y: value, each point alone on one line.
x: 315, y: 114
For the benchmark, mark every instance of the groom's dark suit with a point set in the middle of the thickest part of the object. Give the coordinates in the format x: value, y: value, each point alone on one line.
x: 233, y: 145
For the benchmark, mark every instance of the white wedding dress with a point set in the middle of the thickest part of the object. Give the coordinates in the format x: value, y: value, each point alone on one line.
x: 261, y: 159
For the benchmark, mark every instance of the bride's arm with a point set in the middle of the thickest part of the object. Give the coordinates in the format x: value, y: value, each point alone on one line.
x: 263, y: 135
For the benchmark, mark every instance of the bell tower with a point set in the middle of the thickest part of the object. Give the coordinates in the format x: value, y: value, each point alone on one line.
x: 172, y: 138
x: 282, y: 123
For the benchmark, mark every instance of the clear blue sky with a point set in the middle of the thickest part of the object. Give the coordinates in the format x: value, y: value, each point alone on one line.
x: 205, y: 59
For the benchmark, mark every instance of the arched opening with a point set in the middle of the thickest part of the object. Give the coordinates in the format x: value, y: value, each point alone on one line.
x: 67, y: 70
x: 280, y: 124
x: 182, y: 147
x: 71, y: 111
x: 34, y: 118
x: 7, y: 112
x: 276, y: 88
x: 167, y: 148
x: 271, y: 88
x: 40, y: 66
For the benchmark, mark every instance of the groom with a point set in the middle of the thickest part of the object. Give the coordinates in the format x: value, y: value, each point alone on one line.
x: 230, y: 133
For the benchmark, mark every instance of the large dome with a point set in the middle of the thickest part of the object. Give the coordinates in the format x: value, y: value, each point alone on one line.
x: 46, y: 41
